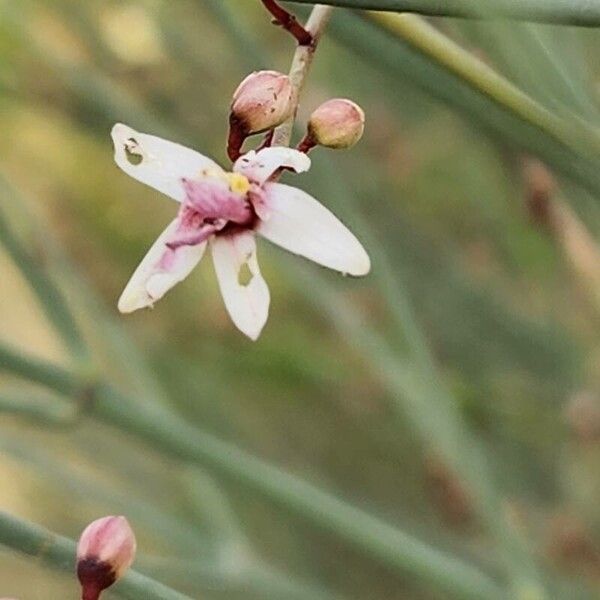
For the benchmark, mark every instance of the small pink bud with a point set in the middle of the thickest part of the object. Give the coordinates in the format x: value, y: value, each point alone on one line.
x: 262, y: 101
x: 105, y: 551
x: 337, y: 123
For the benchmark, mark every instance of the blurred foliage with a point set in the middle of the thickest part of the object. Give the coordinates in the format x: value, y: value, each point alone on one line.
x: 439, y: 198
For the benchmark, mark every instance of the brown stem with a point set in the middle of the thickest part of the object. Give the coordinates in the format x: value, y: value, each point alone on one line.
x: 266, y: 143
x: 288, y: 21
x: 90, y: 592
x: 236, y: 138
x: 306, y: 144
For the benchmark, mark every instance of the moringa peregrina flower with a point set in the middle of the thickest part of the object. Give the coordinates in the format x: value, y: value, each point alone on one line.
x: 225, y: 210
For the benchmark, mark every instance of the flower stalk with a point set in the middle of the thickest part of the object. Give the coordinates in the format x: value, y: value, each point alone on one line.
x: 288, y: 21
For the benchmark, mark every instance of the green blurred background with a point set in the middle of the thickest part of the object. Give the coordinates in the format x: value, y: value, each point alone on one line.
x: 441, y: 205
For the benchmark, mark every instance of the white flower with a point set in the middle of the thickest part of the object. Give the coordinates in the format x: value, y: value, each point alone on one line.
x: 226, y: 210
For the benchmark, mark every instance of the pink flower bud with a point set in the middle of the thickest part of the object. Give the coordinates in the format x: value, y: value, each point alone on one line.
x: 337, y: 123
x: 262, y: 101
x: 105, y: 551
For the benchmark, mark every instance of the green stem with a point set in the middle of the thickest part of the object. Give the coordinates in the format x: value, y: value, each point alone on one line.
x: 246, y: 577
x: 571, y: 12
x: 48, y: 411
x: 176, y: 437
x: 109, y: 337
x: 38, y: 371
x: 59, y: 552
x: 404, y: 46
x: 417, y: 393
x: 82, y: 489
x: 49, y: 296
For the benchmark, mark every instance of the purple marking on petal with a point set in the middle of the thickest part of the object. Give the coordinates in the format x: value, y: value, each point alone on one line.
x: 211, y: 198
x: 167, y: 260
x: 187, y: 238
x: 258, y: 198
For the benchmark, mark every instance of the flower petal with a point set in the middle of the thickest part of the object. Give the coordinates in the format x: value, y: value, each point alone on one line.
x: 243, y: 288
x: 156, y: 162
x: 302, y: 225
x: 160, y: 270
x: 259, y: 166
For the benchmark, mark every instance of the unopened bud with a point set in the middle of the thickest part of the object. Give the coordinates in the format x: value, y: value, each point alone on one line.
x: 262, y: 101
x: 337, y: 123
x: 105, y: 551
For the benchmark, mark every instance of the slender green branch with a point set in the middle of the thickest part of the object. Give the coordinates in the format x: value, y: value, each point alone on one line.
x: 37, y: 409
x: 49, y: 296
x: 83, y: 489
x: 176, y: 437
x: 38, y: 371
x: 109, y: 337
x: 570, y: 12
x: 406, y: 46
x: 247, y: 577
x: 419, y: 395
x: 210, y: 504
x: 59, y: 552
x: 431, y: 42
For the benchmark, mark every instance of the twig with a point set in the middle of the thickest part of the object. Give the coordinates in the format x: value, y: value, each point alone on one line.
x: 288, y: 21
x: 49, y: 296
x: 37, y: 409
x: 410, y: 48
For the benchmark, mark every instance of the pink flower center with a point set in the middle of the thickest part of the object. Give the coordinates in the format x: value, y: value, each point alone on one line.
x: 212, y: 207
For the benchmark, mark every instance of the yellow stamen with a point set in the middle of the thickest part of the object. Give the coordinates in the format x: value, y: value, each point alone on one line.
x: 237, y: 182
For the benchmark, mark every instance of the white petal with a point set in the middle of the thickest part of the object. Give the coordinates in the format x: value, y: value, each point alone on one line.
x: 162, y: 164
x: 302, y: 225
x: 247, y: 301
x: 259, y: 166
x: 151, y: 280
